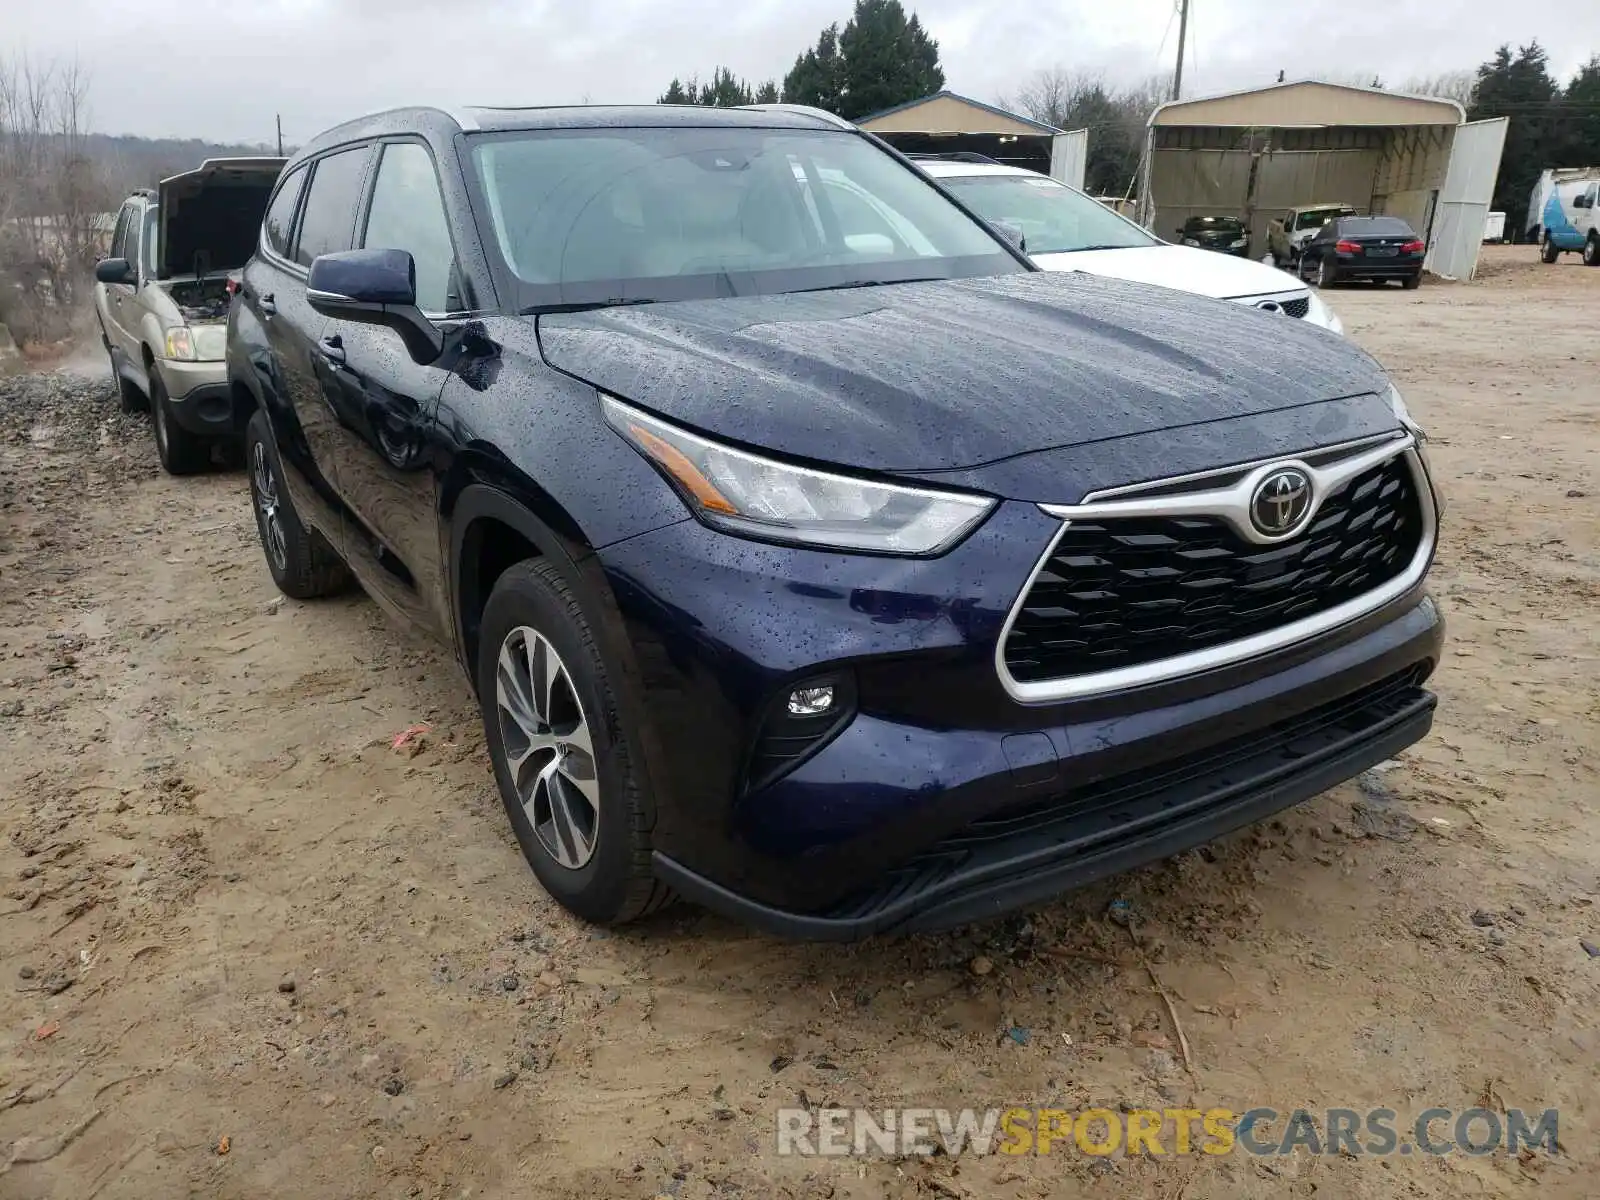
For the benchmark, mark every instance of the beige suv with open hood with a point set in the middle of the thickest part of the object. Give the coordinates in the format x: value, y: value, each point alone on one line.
x: 162, y: 299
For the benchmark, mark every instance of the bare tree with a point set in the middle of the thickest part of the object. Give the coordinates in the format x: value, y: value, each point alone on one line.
x: 1450, y: 85
x: 1114, y: 116
x: 52, y: 195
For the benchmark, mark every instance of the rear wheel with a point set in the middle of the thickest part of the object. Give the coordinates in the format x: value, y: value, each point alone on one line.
x: 1412, y: 281
x: 561, y: 759
x: 1327, y: 273
x: 303, y: 565
x: 181, y: 452
x: 1548, y: 251
x: 1591, y: 251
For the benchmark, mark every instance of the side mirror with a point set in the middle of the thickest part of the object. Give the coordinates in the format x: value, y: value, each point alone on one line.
x: 375, y: 287
x: 114, y: 270
x: 1012, y: 234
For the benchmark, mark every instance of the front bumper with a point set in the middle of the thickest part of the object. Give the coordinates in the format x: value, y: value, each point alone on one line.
x: 198, y: 396
x: 1032, y: 853
x: 873, y: 830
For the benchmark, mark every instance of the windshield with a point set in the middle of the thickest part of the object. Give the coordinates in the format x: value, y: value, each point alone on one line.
x: 1375, y: 227
x: 1316, y: 218
x: 596, y: 216
x: 1052, y: 217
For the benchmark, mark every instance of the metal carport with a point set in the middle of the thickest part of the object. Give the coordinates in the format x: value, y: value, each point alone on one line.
x: 1255, y: 154
x: 946, y: 122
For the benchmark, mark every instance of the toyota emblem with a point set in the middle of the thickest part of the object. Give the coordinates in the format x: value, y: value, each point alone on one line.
x: 1270, y: 306
x: 1282, y: 502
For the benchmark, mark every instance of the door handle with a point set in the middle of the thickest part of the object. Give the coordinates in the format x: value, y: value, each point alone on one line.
x: 332, y: 349
x: 268, y: 306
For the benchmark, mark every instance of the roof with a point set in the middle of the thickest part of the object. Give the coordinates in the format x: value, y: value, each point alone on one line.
x: 957, y: 98
x: 490, y: 118
x: 1309, y: 103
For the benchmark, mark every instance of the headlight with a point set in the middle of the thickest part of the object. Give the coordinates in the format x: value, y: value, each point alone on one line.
x: 744, y: 494
x: 1403, y: 415
x: 1191, y: 241
x: 180, y: 345
x: 1236, y: 243
x: 1320, y: 314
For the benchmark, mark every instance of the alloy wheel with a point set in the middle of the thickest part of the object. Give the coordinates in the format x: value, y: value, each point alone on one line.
x: 266, y: 489
x: 548, y: 748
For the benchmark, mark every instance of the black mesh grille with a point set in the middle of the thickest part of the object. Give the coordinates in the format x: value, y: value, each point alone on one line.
x: 1123, y: 592
x: 1297, y: 308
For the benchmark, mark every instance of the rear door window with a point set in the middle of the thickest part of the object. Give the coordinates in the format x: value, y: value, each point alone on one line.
x: 278, y: 225
x: 329, y: 217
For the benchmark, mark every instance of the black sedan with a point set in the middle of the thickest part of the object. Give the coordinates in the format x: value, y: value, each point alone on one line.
x: 1224, y: 234
x: 1379, y: 248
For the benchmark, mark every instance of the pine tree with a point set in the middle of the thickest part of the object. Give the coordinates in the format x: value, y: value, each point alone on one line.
x: 1518, y: 87
x: 726, y: 90
x: 880, y: 59
x: 817, y: 77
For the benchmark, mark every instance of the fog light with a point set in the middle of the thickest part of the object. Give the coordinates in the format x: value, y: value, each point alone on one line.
x: 810, y: 701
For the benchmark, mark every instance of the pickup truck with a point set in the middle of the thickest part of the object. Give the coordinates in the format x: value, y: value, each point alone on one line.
x: 161, y: 298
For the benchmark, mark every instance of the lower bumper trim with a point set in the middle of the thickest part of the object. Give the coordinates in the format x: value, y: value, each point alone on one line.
x: 1006, y: 862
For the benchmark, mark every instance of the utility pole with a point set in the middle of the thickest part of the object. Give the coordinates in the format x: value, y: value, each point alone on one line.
x: 280, y: 135
x: 1183, y: 30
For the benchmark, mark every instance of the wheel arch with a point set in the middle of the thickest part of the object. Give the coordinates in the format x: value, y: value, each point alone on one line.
x: 491, y: 528
x: 493, y: 523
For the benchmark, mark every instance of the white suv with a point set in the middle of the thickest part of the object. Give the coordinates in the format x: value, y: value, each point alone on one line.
x: 1062, y: 229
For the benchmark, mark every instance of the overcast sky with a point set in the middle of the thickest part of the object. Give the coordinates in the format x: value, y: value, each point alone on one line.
x: 220, y: 70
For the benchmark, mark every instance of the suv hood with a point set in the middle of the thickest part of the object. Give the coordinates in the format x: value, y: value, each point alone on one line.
x: 936, y: 376
x: 1203, y: 272
x: 211, y: 217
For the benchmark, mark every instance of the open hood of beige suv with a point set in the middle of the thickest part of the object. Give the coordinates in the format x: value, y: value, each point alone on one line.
x: 210, y: 217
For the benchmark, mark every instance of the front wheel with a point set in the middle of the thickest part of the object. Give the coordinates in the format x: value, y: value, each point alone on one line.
x: 561, y: 758
x: 1591, y: 251
x: 303, y: 565
x: 1548, y: 250
x: 181, y: 452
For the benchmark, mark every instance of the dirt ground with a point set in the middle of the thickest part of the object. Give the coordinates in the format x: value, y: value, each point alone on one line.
x: 249, y: 949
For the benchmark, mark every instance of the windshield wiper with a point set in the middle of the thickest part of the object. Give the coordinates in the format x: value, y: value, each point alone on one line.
x: 575, y: 306
x: 1107, y: 246
x: 866, y: 283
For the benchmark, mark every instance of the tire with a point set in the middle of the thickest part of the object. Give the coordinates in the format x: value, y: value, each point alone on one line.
x: 1412, y: 282
x: 180, y: 452
x: 1591, y: 251
x: 302, y: 563
x: 589, y: 846
x: 1327, y: 275
x: 1548, y: 250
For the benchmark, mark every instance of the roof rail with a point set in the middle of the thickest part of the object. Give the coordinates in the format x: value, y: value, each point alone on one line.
x: 966, y: 156
x: 804, y: 110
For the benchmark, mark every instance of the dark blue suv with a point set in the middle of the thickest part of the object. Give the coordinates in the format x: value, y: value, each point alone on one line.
x: 811, y: 555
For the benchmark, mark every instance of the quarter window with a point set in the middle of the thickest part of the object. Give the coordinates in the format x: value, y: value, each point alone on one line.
x: 275, y: 229
x: 330, y: 211
x: 119, y: 239
x: 408, y: 214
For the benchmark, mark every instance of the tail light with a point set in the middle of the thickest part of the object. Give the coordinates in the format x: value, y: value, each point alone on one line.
x: 1416, y: 247
x: 1347, y: 247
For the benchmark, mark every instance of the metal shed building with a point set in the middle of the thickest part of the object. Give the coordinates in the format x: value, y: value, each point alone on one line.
x: 1257, y: 153
x: 946, y: 122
